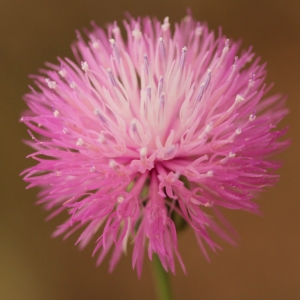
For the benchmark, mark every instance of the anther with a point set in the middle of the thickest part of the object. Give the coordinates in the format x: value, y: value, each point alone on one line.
x: 231, y: 154
x: 84, y: 66
x: 143, y: 152
x: 51, y: 84
x: 95, y: 44
x: 166, y: 25
x: 56, y: 113
x: 62, y: 73
x: 226, y: 48
x: 210, y: 173
x: 120, y: 199
x: 73, y: 85
x: 239, y: 98
x: 116, y: 28
x: 136, y: 33
x: 252, y: 118
x: 199, y: 29
x: 79, y: 142
x: 238, y: 131
x: 208, y: 128
x: 112, y: 163
x: 101, y: 138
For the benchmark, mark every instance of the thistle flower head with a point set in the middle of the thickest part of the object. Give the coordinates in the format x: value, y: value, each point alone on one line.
x: 139, y: 130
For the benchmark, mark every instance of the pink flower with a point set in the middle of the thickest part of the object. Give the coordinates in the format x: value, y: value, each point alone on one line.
x: 165, y: 123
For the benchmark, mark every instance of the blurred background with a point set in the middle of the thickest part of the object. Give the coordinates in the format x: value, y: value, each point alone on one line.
x: 33, y: 266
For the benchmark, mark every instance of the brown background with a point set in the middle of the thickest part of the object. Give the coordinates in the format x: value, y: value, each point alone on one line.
x: 33, y: 266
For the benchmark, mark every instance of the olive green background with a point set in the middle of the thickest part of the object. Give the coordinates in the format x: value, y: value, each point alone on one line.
x: 33, y: 266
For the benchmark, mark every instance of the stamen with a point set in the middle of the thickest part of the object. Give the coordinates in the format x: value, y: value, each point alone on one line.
x: 161, y: 110
x: 199, y: 29
x: 238, y: 131
x: 84, y: 66
x: 95, y: 42
x: 252, y: 118
x: 207, y: 79
x: 135, y: 132
x: 207, y: 129
x: 160, y: 85
x: 73, y: 85
x: 115, y: 49
x: 136, y: 33
x: 51, y: 84
x: 225, y: 159
x: 148, y: 99
x: 183, y: 57
x: 148, y: 95
x: 239, y: 98
x: 231, y: 154
x: 143, y: 152
x: 251, y: 81
x: 56, y: 113
x: 116, y: 28
x: 101, y: 116
x: 203, y: 87
x: 146, y: 67
x: 79, y: 142
x: 111, y: 77
x: 120, y: 199
x: 101, y: 138
x: 169, y: 154
x: 162, y: 51
x: 210, y: 173
x: 112, y: 163
x: 62, y: 72
x: 166, y: 25
x: 226, y: 48
x: 236, y: 59
x: 200, y: 94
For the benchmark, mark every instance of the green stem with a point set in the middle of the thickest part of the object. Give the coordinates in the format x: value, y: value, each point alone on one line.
x: 161, y: 278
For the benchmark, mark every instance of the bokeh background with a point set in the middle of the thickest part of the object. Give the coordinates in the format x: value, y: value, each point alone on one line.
x: 33, y: 266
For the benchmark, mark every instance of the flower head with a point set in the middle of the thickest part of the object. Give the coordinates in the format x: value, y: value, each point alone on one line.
x: 140, y: 130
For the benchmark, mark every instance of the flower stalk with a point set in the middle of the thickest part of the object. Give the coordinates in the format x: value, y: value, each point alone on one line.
x: 161, y: 280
